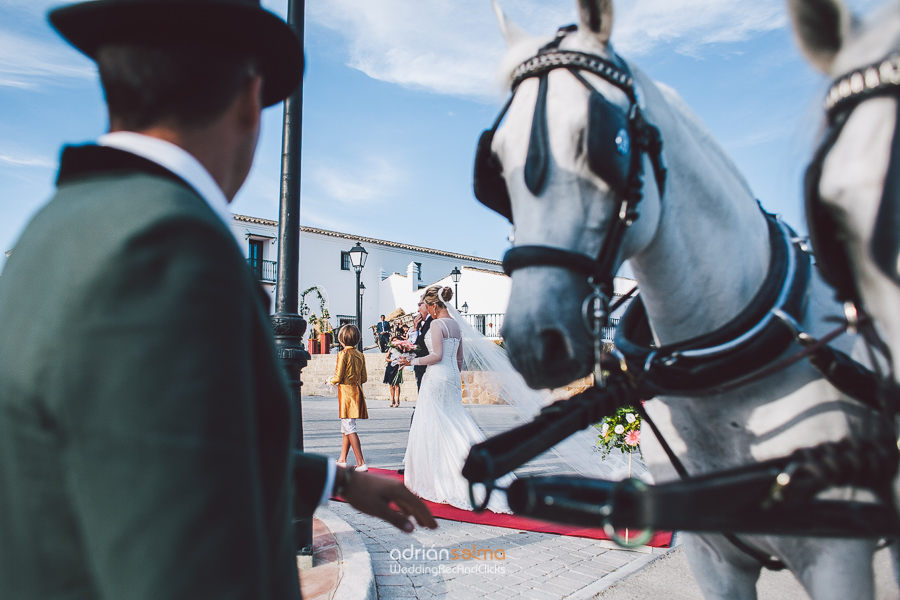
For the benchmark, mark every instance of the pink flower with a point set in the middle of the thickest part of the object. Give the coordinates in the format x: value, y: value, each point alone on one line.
x: 633, y: 438
x: 403, y: 345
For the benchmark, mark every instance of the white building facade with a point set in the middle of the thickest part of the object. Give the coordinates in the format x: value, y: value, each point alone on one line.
x: 394, y: 276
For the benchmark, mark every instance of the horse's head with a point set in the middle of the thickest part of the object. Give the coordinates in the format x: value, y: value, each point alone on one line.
x: 853, y: 184
x: 564, y: 164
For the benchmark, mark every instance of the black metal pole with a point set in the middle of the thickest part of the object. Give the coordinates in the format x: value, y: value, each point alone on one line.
x: 359, y: 311
x: 287, y: 325
x: 456, y: 296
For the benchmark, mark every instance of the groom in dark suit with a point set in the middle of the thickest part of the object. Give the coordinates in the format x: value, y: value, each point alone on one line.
x: 424, y: 323
x: 145, y: 429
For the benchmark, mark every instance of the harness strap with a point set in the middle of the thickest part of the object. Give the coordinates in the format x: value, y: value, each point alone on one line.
x: 748, y: 343
x: 518, y: 257
x: 768, y: 562
x: 876, y: 79
x: 646, y: 140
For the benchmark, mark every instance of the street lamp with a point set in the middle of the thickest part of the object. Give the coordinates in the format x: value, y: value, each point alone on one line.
x: 455, y: 274
x: 287, y: 325
x: 362, y: 291
x: 465, y: 307
x: 358, y: 256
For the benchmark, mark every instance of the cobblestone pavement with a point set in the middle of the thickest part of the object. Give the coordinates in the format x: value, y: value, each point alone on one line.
x: 534, y: 565
x: 421, y: 565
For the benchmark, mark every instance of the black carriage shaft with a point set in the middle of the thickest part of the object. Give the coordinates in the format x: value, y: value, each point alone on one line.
x: 743, y: 500
x: 721, y: 504
x: 502, y: 453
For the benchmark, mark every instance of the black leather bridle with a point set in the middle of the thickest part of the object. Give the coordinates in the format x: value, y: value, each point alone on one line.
x: 616, y: 143
x: 845, y: 94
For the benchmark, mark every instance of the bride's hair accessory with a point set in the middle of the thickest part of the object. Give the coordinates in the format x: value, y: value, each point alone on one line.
x: 435, y: 295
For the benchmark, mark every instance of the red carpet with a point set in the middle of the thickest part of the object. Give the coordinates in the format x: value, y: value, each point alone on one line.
x: 445, y: 511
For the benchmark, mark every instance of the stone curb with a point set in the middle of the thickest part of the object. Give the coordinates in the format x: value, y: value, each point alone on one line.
x: 626, y: 571
x: 357, y: 580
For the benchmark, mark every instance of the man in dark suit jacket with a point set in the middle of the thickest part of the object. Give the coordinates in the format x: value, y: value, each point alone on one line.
x: 145, y: 429
x: 424, y: 323
x: 383, y: 329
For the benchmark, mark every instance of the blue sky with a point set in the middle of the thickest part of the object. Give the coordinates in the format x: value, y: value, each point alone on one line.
x: 397, y: 92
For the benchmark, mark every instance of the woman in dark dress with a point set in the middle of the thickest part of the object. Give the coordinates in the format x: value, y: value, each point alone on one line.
x: 393, y: 374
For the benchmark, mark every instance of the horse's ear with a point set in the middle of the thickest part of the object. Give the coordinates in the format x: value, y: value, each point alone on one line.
x: 512, y: 33
x: 597, y: 17
x: 821, y: 27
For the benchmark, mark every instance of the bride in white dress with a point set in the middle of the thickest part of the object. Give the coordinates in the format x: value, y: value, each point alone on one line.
x: 442, y: 432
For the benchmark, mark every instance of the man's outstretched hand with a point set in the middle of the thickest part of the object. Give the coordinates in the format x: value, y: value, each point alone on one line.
x: 387, y: 499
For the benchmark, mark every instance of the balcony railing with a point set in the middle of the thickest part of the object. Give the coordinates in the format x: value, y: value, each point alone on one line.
x: 488, y: 324
x: 609, y: 333
x: 265, y: 269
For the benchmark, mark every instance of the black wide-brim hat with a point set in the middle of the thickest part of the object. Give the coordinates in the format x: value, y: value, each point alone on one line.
x: 239, y: 25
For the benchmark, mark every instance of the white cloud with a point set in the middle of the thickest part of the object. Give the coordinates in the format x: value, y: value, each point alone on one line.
x: 450, y: 47
x: 454, y: 47
x: 27, y: 161
x: 691, y: 24
x: 374, y: 179
x: 30, y: 61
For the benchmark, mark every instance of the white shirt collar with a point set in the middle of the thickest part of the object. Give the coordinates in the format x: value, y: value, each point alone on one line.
x: 175, y: 159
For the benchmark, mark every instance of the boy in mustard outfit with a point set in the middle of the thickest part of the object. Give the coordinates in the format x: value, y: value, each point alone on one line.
x: 349, y: 375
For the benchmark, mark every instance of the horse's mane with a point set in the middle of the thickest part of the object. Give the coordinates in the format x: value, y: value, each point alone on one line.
x: 698, y: 129
x: 528, y: 47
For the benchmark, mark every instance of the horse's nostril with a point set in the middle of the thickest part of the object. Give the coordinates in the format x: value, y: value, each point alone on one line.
x: 556, y: 352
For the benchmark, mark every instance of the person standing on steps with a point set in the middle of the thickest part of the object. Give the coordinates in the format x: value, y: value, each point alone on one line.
x: 383, y: 331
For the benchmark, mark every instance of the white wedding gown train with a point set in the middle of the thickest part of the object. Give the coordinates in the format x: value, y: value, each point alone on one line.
x: 442, y: 433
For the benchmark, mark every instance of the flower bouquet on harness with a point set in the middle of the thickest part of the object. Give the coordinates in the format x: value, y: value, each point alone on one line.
x: 404, y: 349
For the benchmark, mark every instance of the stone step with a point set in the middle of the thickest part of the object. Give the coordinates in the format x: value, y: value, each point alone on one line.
x: 477, y: 388
x: 321, y: 367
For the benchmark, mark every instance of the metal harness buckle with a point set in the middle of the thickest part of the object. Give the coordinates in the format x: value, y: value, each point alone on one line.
x: 595, y: 312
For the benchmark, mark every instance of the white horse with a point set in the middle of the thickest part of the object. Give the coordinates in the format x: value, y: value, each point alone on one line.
x: 855, y: 169
x: 700, y: 255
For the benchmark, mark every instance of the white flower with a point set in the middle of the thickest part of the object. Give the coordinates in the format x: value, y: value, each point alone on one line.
x: 620, y: 429
x: 629, y: 417
x: 604, y: 429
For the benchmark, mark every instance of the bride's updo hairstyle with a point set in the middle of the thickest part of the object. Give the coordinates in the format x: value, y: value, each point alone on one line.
x: 436, y: 295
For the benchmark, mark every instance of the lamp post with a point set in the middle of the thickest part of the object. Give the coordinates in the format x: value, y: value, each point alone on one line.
x: 287, y: 325
x: 362, y: 292
x: 358, y: 256
x: 455, y: 274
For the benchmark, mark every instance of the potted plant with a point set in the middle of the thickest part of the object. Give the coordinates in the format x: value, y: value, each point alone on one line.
x: 325, y: 332
x: 320, y: 335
